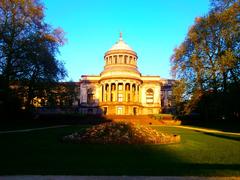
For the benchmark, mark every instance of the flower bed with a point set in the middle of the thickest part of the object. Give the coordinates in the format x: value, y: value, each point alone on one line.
x: 121, y: 133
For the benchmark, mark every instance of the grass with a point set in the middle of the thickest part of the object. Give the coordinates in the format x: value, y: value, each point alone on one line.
x: 42, y: 152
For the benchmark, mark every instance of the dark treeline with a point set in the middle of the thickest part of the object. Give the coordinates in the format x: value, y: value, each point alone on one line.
x: 28, y: 48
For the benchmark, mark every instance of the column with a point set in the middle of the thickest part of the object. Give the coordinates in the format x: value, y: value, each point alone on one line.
x: 134, y: 92
x: 109, y: 92
x: 124, y: 92
x: 116, y: 92
x: 140, y: 94
x: 131, y: 98
x: 100, y: 93
x: 137, y: 97
x: 127, y: 92
x: 104, y: 92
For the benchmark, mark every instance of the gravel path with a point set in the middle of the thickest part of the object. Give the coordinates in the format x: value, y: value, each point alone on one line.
x: 115, y: 178
x: 33, y: 129
x: 183, y: 127
x: 207, y: 130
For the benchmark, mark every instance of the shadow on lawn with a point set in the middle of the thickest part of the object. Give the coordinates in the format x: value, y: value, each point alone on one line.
x: 42, y: 153
x: 236, y: 138
x: 222, y: 125
x: 50, y: 119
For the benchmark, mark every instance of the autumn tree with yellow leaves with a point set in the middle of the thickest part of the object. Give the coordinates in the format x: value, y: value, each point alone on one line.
x: 207, y: 63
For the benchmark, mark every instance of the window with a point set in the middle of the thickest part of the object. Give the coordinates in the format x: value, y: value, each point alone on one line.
x: 120, y: 97
x: 120, y: 87
x: 105, y: 110
x: 149, y: 96
x: 134, y: 111
x: 106, y: 87
x: 119, y: 110
x: 127, y: 87
x: 113, y: 87
x: 90, y: 98
x: 134, y: 87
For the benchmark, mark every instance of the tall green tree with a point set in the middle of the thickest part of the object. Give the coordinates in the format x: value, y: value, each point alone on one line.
x: 208, y: 61
x: 28, y: 48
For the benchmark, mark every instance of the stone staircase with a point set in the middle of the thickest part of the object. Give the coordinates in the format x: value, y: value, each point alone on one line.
x: 141, y: 119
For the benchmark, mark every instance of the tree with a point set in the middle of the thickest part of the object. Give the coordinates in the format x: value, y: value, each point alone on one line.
x: 28, y: 48
x: 63, y: 95
x: 208, y: 61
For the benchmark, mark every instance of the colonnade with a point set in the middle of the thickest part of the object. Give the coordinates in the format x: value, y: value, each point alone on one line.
x: 120, y: 59
x: 120, y: 92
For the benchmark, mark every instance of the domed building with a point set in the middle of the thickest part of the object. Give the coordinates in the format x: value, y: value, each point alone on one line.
x: 121, y: 89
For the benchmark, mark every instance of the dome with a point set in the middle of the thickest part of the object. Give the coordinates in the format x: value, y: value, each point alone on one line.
x: 120, y: 45
x: 120, y: 61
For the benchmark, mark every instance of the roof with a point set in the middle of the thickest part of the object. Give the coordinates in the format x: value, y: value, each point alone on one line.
x: 121, y: 45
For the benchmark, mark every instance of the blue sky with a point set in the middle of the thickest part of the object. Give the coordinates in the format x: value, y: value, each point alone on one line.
x: 153, y: 28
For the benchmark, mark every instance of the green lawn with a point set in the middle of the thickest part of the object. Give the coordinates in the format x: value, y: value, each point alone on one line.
x: 42, y: 152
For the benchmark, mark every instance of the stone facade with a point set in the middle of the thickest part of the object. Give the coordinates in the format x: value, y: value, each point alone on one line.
x: 120, y: 89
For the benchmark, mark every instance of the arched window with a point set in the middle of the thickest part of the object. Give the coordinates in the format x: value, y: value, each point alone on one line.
x: 113, y: 87
x: 130, y: 59
x: 106, y: 87
x: 127, y: 87
x: 149, y: 96
x: 134, y: 88
x: 120, y: 86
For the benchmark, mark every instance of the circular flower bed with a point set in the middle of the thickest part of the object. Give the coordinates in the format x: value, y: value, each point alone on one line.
x: 121, y: 133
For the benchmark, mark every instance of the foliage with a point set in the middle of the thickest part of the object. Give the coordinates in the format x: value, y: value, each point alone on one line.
x: 28, y: 48
x: 63, y: 94
x: 207, y: 63
x: 121, y: 133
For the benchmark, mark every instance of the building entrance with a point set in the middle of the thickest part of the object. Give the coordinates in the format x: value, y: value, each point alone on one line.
x: 134, y: 111
x: 120, y: 110
x: 105, y: 110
